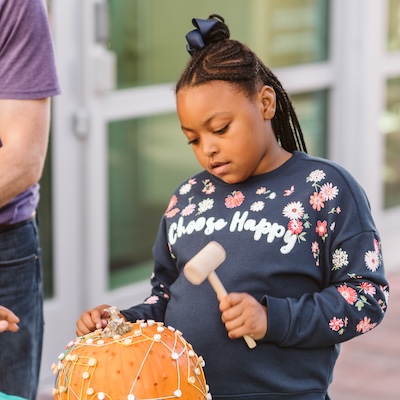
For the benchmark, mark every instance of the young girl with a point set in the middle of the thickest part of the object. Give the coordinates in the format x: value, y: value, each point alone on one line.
x: 304, y: 267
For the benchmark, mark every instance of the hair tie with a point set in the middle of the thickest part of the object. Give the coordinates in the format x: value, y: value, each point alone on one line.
x: 197, y: 37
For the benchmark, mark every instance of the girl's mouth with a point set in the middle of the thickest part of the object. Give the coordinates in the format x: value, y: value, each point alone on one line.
x: 219, y: 168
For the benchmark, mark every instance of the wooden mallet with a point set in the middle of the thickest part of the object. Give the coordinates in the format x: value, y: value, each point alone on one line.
x: 203, y: 266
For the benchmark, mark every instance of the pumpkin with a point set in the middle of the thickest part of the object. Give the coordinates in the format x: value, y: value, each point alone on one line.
x: 151, y: 361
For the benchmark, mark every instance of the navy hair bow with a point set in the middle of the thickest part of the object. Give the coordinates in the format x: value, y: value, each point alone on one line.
x: 196, y: 37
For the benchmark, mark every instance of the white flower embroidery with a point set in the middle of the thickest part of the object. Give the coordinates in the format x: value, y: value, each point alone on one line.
x: 294, y: 210
x: 186, y: 188
x: 206, y: 204
x: 340, y: 259
x: 372, y: 261
x: 257, y: 206
x: 316, y: 176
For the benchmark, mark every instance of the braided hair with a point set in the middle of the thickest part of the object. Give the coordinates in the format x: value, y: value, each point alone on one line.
x: 225, y: 59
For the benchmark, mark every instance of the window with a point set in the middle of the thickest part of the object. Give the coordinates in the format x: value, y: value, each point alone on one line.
x: 311, y: 109
x: 391, y: 129
x: 148, y: 37
x: 393, y: 42
x: 148, y: 158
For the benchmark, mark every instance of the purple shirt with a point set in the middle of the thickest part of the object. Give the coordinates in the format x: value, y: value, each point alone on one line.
x: 27, y: 71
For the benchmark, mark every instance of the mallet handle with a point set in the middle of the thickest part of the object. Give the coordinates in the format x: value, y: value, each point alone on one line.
x: 221, y: 292
x: 217, y: 284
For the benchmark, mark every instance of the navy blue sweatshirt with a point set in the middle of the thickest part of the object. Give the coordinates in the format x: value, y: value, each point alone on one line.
x: 301, y: 240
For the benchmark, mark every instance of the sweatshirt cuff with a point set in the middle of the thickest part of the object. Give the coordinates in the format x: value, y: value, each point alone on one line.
x: 278, y: 319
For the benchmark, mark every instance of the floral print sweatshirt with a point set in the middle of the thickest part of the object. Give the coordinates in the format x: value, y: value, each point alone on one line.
x: 302, y: 241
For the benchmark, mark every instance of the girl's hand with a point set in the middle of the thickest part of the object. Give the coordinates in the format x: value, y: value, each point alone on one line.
x: 243, y: 315
x: 8, y: 320
x: 91, y: 320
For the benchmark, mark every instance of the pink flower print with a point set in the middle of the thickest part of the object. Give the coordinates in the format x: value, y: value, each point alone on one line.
x: 261, y: 190
x: 172, y: 213
x: 151, y: 300
x: 385, y: 292
x: 328, y: 192
x: 208, y: 187
x: 288, y: 192
x: 321, y: 228
x: 315, y: 251
x: 172, y: 203
x: 365, y: 325
x: 348, y: 293
x: 377, y: 246
x: 372, y: 260
x: 192, y: 181
x: 295, y: 226
x: 294, y: 210
x: 336, y: 323
x: 314, y: 247
x: 317, y: 201
x: 235, y: 199
x: 368, y: 288
x: 189, y: 209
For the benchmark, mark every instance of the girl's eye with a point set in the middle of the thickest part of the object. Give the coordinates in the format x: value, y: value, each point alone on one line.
x: 221, y: 131
x: 193, y: 141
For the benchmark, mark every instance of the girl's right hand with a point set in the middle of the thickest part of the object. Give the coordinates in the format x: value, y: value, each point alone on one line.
x: 91, y: 320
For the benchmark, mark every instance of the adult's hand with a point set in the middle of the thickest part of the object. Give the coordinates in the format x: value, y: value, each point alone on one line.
x: 8, y: 320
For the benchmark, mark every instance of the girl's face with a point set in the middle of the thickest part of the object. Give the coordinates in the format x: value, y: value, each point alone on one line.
x: 231, y: 134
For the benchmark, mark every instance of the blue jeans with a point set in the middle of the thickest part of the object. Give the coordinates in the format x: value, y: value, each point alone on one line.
x: 21, y: 290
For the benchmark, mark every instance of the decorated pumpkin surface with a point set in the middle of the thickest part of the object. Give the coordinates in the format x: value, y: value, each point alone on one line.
x: 149, y: 362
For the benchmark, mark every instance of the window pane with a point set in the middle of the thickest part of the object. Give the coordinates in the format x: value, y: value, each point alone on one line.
x: 148, y: 37
x: 148, y: 158
x: 391, y: 129
x: 393, y: 43
x: 295, y: 32
x: 311, y: 109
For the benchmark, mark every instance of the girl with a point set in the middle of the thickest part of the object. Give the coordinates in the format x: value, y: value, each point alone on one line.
x: 304, y: 264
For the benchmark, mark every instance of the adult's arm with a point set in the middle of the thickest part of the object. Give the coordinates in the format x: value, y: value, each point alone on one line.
x: 24, y: 134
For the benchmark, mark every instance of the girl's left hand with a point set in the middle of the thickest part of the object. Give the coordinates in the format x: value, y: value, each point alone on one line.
x: 243, y: 315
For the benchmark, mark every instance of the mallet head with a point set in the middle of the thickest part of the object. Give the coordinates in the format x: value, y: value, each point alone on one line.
x: 206, y: 261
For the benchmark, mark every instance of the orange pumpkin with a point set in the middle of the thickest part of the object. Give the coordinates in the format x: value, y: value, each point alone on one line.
x: 151, y: 361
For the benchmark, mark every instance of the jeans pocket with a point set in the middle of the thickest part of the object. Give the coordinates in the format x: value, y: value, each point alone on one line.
x: 19, y: 277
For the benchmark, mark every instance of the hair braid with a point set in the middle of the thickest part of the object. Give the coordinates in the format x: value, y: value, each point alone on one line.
x: 229, y: 60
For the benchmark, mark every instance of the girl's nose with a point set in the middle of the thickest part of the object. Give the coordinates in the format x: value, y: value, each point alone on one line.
x: 209, y: 146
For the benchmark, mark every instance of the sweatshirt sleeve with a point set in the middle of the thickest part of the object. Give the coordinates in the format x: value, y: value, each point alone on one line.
x: 164, y: 275
x: 353, y: 301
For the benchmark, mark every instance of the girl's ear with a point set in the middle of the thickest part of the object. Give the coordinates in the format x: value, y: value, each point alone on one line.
x: 268, y: 100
